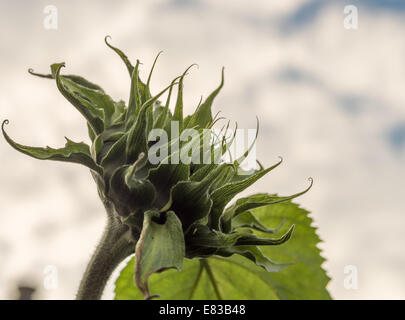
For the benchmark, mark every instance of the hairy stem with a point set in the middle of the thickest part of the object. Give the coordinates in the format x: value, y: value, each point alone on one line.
x: 113, y: 248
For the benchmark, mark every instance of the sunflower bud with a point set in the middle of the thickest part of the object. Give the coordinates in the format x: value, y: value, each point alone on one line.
x: 175, y: 207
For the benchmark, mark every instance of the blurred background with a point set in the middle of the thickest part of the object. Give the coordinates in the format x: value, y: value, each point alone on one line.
x: 329, y: 95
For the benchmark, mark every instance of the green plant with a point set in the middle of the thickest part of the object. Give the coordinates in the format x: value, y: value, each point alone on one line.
x: 173, y: 214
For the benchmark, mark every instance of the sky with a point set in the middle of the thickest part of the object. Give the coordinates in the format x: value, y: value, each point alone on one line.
x: 330, y: 101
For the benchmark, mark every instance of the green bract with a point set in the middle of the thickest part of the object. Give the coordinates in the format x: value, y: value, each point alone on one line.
x: 171, y: 211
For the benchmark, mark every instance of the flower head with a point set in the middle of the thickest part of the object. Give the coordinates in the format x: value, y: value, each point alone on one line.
x: 174, y: 205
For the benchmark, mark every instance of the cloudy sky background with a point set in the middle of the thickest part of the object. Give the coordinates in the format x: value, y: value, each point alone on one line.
x: 331, y: 101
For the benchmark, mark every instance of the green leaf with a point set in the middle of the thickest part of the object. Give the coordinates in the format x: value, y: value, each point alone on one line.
x: 77, y: 152
x: 160, y: 246
x: 306, y: 279
x: 239, y: 278
x: 232, y: 279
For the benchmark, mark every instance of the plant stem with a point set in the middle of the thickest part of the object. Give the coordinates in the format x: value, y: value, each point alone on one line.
x: 113, y: 248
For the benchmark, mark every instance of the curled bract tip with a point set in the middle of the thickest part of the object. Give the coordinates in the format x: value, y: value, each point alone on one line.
x: 4, y: 123
x: 32, y: 72
x: 311, y: 182
x: 281, y: 159
x: 105, y: 39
